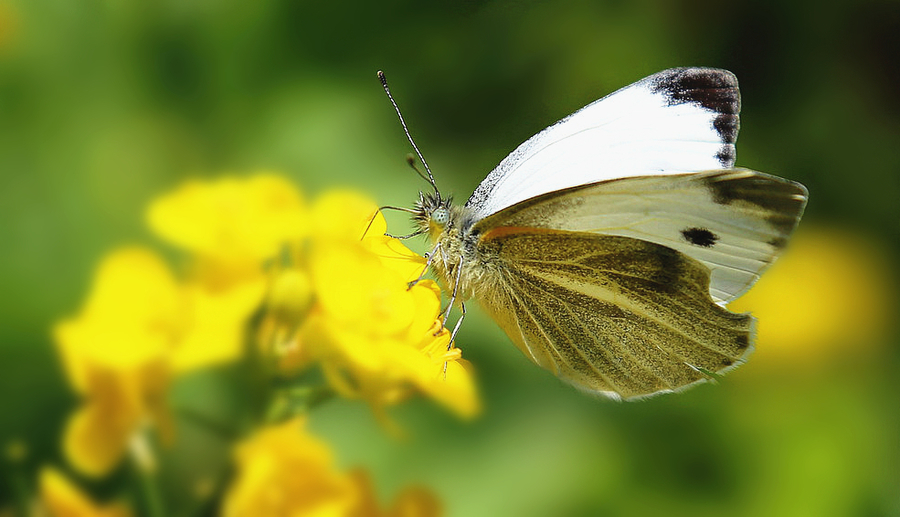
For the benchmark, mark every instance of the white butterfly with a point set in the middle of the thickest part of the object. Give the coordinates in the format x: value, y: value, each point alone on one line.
x: 606, y: 245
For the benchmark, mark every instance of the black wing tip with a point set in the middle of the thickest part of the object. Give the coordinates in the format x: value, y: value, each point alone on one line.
x: 714, y: 89
x: 693, y: 78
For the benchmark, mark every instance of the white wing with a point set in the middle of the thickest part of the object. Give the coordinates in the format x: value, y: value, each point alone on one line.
x: 736, y: 222
x: 676, y: 121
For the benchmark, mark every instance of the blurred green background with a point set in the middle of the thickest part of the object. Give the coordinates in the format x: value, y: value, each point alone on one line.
x: 105, y: 104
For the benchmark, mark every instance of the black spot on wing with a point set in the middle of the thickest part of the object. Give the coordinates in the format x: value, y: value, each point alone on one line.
x: 713, y: 89
x: 699, y: 237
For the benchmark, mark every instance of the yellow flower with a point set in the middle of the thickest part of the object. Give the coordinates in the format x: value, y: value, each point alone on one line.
x: 62, y: 499
x: 218, y: 319
x: 374, y: 336
x: 284, y: 471
x: 115, y: 354
x: 343, y: 302
x: 231, y: 225
x: 831, y: 295
x: 413, y: 501
x: 137, y: 329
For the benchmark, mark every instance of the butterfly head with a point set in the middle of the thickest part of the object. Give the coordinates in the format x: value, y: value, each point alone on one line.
x: 433, y: 213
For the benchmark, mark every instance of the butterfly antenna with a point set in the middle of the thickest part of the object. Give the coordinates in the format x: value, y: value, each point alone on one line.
x: 406, y: 130
x: 411, y: 161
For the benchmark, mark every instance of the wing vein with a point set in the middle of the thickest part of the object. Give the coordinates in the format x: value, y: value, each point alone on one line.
x: 587, y: 361
x: 636, y: 360
x: 637, y: 310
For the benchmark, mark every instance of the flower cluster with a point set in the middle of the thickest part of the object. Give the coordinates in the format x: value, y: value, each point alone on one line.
x: 270, y: 281
x: 350, y: 299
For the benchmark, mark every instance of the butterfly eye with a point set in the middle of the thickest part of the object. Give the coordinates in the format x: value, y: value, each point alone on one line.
x: 440, y: 216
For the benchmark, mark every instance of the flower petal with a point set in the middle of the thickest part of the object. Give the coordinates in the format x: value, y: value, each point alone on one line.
x: 96, y: 437
x: 231, y: 220
x: 63, y: 499
x: 218, y: 319
x: 282, y: 470
x: 343, y: 214
x: 356, y: 289
x: 134, y: 310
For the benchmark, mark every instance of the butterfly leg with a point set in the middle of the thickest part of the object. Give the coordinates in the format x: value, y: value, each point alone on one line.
x: 462, y: 306
x: 452, y: 295
x: 429, y: 257
x: 446, y: 310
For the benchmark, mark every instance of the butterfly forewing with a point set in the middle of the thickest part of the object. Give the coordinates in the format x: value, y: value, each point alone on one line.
x: 676, y: 121
x: 610, y: 314
x: 735, y: 222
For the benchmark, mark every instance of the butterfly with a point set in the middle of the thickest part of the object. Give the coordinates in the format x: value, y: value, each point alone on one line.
x: 607, y: 245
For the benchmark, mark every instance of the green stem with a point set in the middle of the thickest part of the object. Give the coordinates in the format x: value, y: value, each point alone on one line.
x: 212, y: 425
x: 319, y: 396
x: 144, y: 468
x: 297, y: 400
x: 151, y: 495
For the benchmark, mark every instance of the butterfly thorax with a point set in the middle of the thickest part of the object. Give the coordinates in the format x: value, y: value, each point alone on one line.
x: 449, y: 228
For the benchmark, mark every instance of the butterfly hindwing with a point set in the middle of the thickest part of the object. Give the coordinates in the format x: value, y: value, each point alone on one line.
x: 610, y: 314
x: 735, y: 222
x: 676, y: 121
